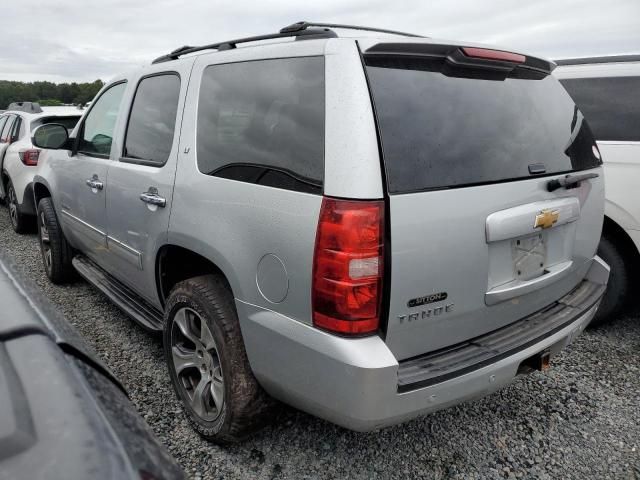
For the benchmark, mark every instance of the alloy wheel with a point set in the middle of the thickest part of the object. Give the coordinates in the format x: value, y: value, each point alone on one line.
x: 45, y: 242
x: 197, y: 364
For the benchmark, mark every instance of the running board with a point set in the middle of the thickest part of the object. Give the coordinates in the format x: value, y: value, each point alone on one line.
x: 148, y: 316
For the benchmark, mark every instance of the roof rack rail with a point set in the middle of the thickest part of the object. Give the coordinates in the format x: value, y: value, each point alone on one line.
x: 27, y: 107
x: 230, y: 44
x: 301, y: 26
x: 300, y: 30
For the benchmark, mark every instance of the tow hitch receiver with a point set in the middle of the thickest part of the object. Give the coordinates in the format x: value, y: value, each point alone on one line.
x: 540, y: 361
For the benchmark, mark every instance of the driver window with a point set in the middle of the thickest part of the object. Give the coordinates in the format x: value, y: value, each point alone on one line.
x: 97, y: 131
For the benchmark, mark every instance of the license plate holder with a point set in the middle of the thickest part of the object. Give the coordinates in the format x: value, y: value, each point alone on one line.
x: 529, y: 256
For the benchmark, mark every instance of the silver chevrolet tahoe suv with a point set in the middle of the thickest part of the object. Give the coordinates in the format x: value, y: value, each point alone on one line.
x: 368, y: 229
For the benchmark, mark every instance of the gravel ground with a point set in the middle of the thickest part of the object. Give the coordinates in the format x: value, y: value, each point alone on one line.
x: 579, y: 420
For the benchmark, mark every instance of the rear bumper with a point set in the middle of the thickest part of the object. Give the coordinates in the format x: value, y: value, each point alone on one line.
x: 355, y: 382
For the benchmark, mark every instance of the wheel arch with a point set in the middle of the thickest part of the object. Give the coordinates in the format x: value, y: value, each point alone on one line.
x: 175, y: 263
x: 40, y: 190
x: 612, y: 230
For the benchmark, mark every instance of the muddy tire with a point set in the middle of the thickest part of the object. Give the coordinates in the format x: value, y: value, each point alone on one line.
x: 207, y: 361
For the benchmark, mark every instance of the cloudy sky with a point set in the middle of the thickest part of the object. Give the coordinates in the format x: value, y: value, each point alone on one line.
x: 82, y: 40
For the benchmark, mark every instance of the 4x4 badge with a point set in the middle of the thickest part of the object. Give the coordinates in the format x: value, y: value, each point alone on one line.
x: 546, y: 218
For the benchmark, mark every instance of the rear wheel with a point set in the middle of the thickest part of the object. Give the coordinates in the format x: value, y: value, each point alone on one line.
x: 56, y: 252
x: 207, y: 361
x: 617, y: 294
x: 19, y: 222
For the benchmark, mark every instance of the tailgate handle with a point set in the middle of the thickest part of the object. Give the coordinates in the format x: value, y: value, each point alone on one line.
x: 570, y: 181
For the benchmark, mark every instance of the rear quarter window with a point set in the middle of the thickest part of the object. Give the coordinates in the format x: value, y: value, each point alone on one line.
x: 441, y: 131
x: 611, y: 105
x: 262, y: 122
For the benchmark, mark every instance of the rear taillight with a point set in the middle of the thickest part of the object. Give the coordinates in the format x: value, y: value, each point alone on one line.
x: 488, y: 54
x: 348, y: 266
x: 30, y: 157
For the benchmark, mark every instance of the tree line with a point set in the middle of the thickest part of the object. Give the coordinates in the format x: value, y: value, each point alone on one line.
x: 47, y: 93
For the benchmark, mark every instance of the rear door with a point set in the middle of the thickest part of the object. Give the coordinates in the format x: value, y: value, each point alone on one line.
x: 469, y: 146
x: 141, y: 180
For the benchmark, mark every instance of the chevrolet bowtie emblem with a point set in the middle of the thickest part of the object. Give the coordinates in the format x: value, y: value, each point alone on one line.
x: 546, y: 218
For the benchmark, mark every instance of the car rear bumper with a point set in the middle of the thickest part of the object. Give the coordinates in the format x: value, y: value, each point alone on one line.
x: 356, y: 383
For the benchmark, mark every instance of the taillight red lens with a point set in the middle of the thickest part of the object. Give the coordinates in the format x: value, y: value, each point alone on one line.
x: 348, y: 266
x: 30, y: 157
x: 488, y: 54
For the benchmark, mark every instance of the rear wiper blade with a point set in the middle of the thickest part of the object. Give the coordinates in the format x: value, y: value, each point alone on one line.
x: 570, y: 181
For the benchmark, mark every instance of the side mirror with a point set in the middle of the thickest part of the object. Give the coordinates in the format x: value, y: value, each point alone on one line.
x: 52, y: 135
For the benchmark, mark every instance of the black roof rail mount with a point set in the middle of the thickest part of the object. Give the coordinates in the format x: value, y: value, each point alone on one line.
x: 230, y: 44
x: 299, y: 30
x: 27, y: 107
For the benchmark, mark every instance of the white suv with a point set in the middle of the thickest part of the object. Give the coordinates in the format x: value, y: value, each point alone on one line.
x: 607, y: 91
x: 18, y: 157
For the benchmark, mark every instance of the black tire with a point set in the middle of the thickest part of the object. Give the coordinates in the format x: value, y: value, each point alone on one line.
x: 56, y: 252
x: 245, y: 405
x: 21, y: 223
x: 617, y: 295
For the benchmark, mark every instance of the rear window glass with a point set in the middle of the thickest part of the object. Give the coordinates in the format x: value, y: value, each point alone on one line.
x: 68, y: 122
x: 612, y: 105
x: 441, y: 131
x: 262, y: 122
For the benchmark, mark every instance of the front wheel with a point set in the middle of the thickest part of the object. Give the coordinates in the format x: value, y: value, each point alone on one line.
x: 207, y: 361
x: 56, y: 252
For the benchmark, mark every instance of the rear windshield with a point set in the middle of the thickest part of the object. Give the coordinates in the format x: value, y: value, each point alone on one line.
x: 68, y: 122
x: 612, y: 105
x: 441, y: 131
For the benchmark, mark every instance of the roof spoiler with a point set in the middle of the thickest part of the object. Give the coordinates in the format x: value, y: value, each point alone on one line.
x: 458, y: 56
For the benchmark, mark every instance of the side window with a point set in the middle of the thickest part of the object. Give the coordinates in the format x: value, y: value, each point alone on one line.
x: 611, y: 105
x: 3, y: 121
x: 5, y: 134
x: 152, y: 120
x: 17, y: 128
x: 97, y: 131
x: 263, y: 122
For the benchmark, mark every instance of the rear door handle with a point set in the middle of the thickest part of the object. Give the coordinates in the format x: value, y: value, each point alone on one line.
x: 152, y: 198
x: 94, y: 183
